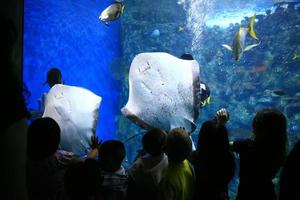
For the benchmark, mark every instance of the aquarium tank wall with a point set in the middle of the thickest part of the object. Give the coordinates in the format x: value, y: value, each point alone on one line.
x: 69, y: 35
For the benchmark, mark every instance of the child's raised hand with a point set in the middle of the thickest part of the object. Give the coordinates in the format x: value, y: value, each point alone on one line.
x: 222, y: 116
x: 95, y: 142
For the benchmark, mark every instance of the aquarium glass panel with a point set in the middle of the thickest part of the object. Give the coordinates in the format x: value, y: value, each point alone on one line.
x: 68, y: 35
x: 248, y: 53
x: 267, y: 75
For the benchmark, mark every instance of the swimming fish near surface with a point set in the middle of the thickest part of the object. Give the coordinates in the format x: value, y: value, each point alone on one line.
x: 296, y: 57
x: 238, y: 44
x: 275, y: 92
x: 279, y: 92
x: 112, y: 12
x: 180, y: 29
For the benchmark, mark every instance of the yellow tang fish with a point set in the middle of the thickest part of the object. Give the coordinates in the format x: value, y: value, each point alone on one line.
x: 112, y: 12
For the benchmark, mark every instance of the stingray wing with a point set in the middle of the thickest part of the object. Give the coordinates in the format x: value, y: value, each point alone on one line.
x: 163, y: 91
x: 75, y: 109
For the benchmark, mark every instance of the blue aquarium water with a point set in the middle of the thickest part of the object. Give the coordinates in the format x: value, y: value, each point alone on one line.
x: 266, y: 76
x: 69, y: 35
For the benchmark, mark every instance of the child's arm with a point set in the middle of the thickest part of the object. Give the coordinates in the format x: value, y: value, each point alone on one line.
x: 95, y: 145
x: 221, y: 119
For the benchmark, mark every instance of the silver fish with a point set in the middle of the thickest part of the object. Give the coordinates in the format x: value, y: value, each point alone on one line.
x: 238, y: 44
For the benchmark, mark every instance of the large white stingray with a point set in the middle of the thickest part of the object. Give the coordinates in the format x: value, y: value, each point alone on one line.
x: 75, y: 109
x: 163, y: 92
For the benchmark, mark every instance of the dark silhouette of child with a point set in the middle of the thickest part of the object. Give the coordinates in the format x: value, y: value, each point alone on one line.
x: 14, y: 121
x: 54, y: 76
x: 213, y: 162
x: 46, y: 165
x: 115, y: 178
x: 290, y: 176
x: 145, y: 173
x: 177, y: 182
x: 261, y: 156
x: 83, y: 181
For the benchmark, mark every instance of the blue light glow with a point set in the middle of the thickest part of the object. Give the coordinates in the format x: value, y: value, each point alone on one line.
x: 69, y: 35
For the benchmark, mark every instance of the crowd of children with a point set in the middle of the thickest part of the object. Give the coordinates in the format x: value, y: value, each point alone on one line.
x: 169, y: 169
x: 34, y: 167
